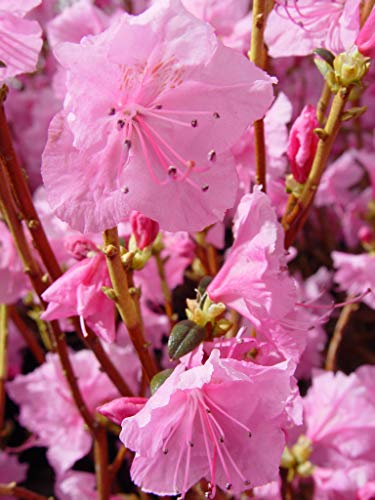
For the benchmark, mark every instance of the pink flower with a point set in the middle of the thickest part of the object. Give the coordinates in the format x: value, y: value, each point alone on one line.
x: 295, y: 28
x: 79, y: 292
x: 254, y: 279
x: 204, y: 430
x: 302, y: 144
x: 11, y: 470
x: 152, y: 139
x: 13, y: 281
x: 21, y: 39
x: 47, y: 408
x: 80, y: 19
x: 144, y: 229
x: 367, y: 492
x: 356, y: 274
x: 340, y: 422
x: 365, y: 40
x: 78, y: 485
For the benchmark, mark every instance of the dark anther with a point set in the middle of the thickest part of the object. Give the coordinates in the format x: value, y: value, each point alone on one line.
x: 191, y: 443
x: 249, y: 434
x: 194, y: 123
x: 172, y: 171
x: 128, y: 143
x: 221, y: 439
x: 205, y: 187
x: 208, y: 410
x: 158, y: 106
x: 216, y: 115
x: 228, y: 486
x: 246, y: 483
x: 212, y: 155
x: 165, y: 451
x: 112, y: 111
x: 120, y: 124
x: 125, y: 190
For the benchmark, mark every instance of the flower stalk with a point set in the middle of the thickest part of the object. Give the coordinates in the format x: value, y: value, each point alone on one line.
x: 258, y: 56
x: 294, y: 220
x: 3, y: 360
x: 124, y: 301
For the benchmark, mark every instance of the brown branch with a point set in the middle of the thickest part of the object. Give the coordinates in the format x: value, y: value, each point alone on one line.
x: 114, y: 467
x: 13, y: 490
x: 3, y: 360
x: 334, y: 345
x: 27, y: 335
x: 32, y: 269
x: 164, y: 286
x: 101, y: 464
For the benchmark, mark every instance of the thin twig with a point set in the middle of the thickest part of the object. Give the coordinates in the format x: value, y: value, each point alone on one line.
x: 167, y: 294
x: 32, y: 269
x: 334, y: 345
x: 27, y: 335
x: 13, y: 490
x: 3, y: 360
x: 114, y: 467
x: 101, y: 464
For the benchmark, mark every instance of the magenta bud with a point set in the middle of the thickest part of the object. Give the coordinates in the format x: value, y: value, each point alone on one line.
x: 79, y: 246
x: 365, y: 234
x: 145, y: 230
x: 366, y: 38
x: 302, y: 144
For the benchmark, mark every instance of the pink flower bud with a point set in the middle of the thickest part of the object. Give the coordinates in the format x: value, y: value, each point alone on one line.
x: 144, y: 229
x: 79, y: 246
x: 365, y: 234
x: 366, y: 38
x: 302, y: 143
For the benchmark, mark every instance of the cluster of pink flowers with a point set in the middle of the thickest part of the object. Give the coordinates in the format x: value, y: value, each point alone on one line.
x: 175, y: 279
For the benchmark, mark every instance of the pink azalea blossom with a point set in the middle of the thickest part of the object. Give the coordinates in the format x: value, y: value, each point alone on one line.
x: 79, y: 292
x: 14, y: 351
x: 11, y: 470
x: 59, y: 426
x: 297, y: 27
x: 204, y: 430
x: 340, y: 422
x: 152, y: 139
x: 356, y: 274
x: 338, y: 181
x: 254, y: 280
x: 302, y: 144
x: 14, y: 283
x: 365, y: 40
x: 367, y: 492
x: 80, y: 19
x: 78, y: 485
x: 21, y: 39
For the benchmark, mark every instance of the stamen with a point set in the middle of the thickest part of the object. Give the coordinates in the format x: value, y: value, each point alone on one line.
x: 125, y: 189
x: 205, y: 187
x: 128, y: 143
x: 194, y: 123
x: 120, y: 124
x: 212, y: 155
x: 216, y: 115
x: 112, y: 111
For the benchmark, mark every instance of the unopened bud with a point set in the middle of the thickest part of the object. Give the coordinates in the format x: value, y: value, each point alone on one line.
x: 350, y: 67
x: 365, y: 234
x: 145, y: 230
x: 185, y: 336
x: 302, y: 144
x: 366, y: 38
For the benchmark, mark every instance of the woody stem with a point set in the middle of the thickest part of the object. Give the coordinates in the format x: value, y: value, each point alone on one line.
x: 3, y: 360
x: 334, y: 344
x: 258, y: 56
x: 13, y: 490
